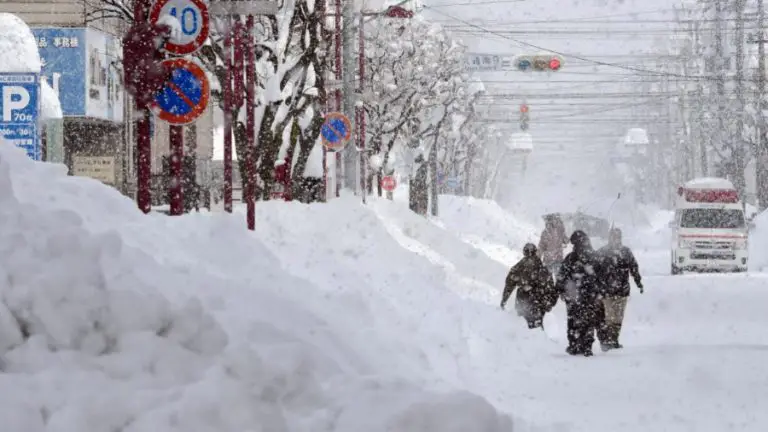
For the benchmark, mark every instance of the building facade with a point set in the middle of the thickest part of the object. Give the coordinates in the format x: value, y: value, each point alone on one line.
x: 82, y: 62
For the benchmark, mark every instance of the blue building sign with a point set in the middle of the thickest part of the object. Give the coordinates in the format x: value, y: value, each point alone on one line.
x: 20, y: 110
x: 63, y: 53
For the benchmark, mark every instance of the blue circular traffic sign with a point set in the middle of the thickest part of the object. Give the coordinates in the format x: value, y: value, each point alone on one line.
x: 336, y: 131
x: 185, y: 97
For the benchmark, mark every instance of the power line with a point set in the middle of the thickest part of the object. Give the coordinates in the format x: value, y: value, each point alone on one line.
x: 596, y: 62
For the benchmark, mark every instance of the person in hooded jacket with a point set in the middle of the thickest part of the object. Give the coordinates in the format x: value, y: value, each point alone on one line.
x: 579, y: 284
x: 536, y: 294
x: 552, y: 242
x: 619, y: 263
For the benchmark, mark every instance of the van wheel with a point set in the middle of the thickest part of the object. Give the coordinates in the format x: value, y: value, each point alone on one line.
x: 675, y: 270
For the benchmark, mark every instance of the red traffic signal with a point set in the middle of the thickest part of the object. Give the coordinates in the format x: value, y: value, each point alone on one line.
x: 143, y: 70
x: 539, y: 63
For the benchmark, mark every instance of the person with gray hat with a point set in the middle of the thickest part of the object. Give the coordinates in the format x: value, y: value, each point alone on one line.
x: 619, y: 263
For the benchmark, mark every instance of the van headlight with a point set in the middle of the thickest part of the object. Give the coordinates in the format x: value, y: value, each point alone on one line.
x: 740, y: 244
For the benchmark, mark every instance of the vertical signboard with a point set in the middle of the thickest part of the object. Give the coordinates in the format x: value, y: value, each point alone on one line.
x: 20, y: 110
x: 105, y: 93
x: 62, y: 51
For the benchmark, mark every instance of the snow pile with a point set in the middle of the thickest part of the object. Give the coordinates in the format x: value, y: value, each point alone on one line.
x: 17, y: 46
x: 111, y: 319
x: 465, y: 269
x: 485, y: 225
x: 50, y: 107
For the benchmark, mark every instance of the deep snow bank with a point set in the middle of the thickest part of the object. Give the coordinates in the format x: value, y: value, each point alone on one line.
x: 115, y: 320
x: 484, y: 224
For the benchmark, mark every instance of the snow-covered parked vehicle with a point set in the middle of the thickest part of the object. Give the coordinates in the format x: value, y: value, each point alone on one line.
x: 710, y: 230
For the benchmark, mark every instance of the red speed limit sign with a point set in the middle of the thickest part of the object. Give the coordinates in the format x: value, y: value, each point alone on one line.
x: 194, y: 23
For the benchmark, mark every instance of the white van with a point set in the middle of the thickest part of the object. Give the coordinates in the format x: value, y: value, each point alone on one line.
x: 710, y: 229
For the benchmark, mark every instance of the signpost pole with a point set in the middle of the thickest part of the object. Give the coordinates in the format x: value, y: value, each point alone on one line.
x: 175, y: 189
x: 360, y: 123
x: 337, y: 92
x: 143, y: 139
x: 250, y: 125
x: 228, y: 115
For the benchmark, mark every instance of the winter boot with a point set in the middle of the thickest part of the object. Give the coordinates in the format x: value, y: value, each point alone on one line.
x: 615, y: 331
x: 572, y: 350
x: 533, y: 323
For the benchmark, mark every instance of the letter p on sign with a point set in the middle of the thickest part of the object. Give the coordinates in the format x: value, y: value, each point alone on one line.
x: 14, y: 98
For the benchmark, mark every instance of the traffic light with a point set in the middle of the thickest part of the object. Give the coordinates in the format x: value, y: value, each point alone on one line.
x: 144, y: 72
x: 539, y: 63
x: 524, y: 117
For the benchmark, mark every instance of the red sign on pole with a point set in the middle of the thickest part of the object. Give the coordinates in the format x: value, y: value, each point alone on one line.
x: 388, y: 183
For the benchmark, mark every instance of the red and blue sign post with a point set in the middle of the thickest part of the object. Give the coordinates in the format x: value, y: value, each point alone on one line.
x: 184, y: 97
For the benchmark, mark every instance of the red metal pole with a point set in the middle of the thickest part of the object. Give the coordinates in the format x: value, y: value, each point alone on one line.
x: 360, y: 122
x: 323, y: 22
x: 338, y: 91
x: 250, y: 125
x: 228, y: 117
x: 143, y: 139
x: 175, y: 189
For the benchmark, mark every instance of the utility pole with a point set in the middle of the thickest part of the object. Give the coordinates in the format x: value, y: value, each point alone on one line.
x: 719, y: 64
x: 737, y: 142
x: 761, y: 153
x: 348, y: 82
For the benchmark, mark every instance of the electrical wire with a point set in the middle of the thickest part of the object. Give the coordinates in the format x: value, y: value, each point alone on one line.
x: 596, y: 62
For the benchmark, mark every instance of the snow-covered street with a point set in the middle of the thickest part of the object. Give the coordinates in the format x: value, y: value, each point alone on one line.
x: 112, y: 319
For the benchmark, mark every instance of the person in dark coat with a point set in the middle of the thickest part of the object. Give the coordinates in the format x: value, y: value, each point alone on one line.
x: 619, y: 263
x: 579, y: 284
x: 552, y: 242
x: 536, y: 294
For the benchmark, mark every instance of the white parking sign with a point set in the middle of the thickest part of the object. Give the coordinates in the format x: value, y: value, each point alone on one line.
x: 194, y: 24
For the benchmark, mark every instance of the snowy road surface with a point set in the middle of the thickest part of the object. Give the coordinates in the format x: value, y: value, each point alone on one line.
x: 695, y: 357
x: 369, y: 318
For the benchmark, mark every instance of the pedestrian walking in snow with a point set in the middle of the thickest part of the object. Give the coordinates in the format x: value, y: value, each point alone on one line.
x: 618, y: 263
x: 536, y: 294
x: 552, y: 242
x: 579, y: 284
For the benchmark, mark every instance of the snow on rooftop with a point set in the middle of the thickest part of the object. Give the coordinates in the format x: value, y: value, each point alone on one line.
x: 709, y: 183
x: 18, y: 50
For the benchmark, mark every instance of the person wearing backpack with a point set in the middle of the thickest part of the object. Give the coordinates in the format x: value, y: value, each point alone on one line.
x: 580, y: 284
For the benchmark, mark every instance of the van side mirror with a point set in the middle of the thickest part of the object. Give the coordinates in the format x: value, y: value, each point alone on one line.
x: 751, y: 225
x: 671, y: 224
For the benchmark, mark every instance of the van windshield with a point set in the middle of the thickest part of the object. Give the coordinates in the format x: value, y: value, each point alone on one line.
x: 712, y: 218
